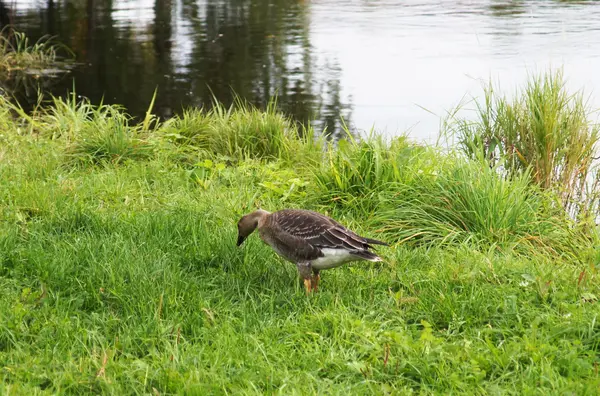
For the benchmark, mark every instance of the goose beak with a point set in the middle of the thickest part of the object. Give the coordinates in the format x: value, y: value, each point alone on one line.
x: 240, y: 240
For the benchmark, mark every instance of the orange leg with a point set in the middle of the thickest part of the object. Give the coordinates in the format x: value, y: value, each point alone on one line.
x: 316, y: 279
x: 304, y: 271
x: 307, y: 285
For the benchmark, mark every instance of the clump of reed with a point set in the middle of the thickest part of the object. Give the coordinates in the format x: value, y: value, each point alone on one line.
x: 242, y: 131
x: 544, y: 131
x: 358, y: 170
x: 19, y: 55
x: 96, y: 134
x: 109, y: 137
x: 468, y: 202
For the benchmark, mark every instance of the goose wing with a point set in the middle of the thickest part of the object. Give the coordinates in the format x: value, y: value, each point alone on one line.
x: 320, y: 231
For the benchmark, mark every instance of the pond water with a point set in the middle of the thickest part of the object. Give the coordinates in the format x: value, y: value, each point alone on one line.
x: 392, y: 65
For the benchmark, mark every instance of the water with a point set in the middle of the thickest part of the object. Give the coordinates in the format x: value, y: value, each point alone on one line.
x: 387, y: 64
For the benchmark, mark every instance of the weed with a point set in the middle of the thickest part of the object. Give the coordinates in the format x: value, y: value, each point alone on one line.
x: 18, y: 55
x: 544, y: 129
x: 242, y: 131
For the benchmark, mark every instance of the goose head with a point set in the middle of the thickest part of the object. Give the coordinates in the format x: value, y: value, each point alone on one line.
x: 248, y: 223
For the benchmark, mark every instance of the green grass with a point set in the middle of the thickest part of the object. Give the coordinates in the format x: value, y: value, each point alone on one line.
x: 356, y: 171
x: 29, y: 68
x: 242, y: 131
x: 119, y: 272
x: 18, y: 55
x: 544, y: 129
x: 471, y: 203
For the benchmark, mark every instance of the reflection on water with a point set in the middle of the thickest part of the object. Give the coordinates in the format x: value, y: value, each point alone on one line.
x: 374, y: 63
x: 190, y: 50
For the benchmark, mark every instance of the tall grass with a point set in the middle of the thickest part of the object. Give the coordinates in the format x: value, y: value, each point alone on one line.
x: 544, y: 128
x: 419, y: 196
x: 356, y: 171
x: 473, y: 204
x: 109, y: 137
x: 242, y: 131
x: 98, y: 133
x: 95, y: 134
x: 19, y: 55
x: 413, y: 193
x: 7, y: 120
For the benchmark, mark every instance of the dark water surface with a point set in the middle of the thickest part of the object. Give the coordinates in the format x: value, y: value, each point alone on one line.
x: 376, y: 63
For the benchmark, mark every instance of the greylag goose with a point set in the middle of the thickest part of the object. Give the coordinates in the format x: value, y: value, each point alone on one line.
x: 310, y: 240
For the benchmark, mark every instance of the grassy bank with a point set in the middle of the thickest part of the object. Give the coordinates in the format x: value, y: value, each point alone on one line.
x: 119, y: 272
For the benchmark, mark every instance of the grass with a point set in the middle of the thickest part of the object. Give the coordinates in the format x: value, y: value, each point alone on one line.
x: 470, y: 203
x: 357, y: 170
x: 19, y: 55
x: 242, y: 131
x: 27, y: 68
x: 545, y: 129
x: 119, y: 272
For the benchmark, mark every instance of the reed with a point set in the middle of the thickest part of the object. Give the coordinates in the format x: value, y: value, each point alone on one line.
x: 545, y: 131
x: 242, y: 131
x: 19, y: 55
x: 471, y: 203
x: 356, y: 171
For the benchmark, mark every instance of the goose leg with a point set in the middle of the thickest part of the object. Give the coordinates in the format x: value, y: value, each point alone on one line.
x: 316, y: 279
x: 304, y: 270
x: 308, y: 286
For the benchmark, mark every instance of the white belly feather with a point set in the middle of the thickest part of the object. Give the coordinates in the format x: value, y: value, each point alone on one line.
x: 333, y: 258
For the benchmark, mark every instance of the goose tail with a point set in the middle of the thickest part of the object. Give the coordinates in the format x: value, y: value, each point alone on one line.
x: 366, y: 255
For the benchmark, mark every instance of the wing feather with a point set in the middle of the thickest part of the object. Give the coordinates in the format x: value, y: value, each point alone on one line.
x: 320, y: 231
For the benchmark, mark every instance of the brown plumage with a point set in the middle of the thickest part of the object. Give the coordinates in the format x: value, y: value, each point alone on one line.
x: 309, y: 239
